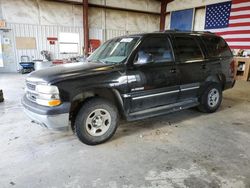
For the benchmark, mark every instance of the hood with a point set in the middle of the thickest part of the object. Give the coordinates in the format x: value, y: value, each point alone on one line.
x: 72, y: 70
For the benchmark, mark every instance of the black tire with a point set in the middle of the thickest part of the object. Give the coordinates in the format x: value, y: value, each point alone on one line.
x: 206, y: 104
x: 83, y: 128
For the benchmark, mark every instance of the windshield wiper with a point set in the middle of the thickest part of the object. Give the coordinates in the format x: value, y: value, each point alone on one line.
x: 102, y: 61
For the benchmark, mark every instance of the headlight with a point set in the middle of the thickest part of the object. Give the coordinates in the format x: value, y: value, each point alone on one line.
x: 47, y: 95
x: 47, y: 89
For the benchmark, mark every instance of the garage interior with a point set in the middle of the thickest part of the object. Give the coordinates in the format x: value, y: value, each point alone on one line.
x: 182, y: 149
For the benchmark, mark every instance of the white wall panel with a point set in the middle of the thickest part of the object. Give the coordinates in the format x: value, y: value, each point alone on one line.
x: 20, y: 11
x: 167, y: 21
x: 114, y: 33
x: 41, y: 33
x: 135, y: 4
x: 154, y: 6
x: 50, y: 14
x: 153, y: 23
x: 1, y: 52
x: 116, y: 20
x: 186, y: 4
x: 199, y: 19
x: 96, y: 18
x: 95, y: 33
x: 137, y: 22
x: 145, y: 5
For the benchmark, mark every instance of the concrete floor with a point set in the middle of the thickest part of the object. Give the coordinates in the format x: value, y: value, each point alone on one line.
x: 185, y: 149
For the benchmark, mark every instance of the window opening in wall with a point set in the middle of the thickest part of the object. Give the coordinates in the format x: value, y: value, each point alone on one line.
x: 69, y: 43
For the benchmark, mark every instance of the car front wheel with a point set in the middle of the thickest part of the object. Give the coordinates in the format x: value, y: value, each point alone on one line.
x: 96, y: 121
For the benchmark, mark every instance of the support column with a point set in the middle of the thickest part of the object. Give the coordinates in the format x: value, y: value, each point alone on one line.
x: 85, y: 5
x: 164, y: 4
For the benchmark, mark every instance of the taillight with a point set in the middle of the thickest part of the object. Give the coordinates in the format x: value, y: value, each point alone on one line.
x: 232, y: 67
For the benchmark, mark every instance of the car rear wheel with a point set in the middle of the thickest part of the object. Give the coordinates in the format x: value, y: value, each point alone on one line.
x: 96, y: 121
x: 211, y: 98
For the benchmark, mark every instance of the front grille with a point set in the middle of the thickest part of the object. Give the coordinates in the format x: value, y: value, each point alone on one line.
x: 30, y: 86
x: 30, y: 91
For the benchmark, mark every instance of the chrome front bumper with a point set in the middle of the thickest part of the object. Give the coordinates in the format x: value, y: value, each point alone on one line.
x: 56, y: 122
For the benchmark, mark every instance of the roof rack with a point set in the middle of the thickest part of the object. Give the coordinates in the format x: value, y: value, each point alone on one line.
x: 203, y: 32
x: 177, y: 30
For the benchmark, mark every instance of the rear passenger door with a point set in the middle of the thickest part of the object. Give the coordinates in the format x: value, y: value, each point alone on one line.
x: 191, y: 64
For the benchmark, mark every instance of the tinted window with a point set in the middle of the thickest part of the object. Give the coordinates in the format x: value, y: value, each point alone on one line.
x: 154, y: 50
x: 187, y: 49
x: 216, y: 46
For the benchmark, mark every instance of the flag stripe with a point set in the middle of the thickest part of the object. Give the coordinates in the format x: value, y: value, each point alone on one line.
x: 240, y: 1
x: 240, y: 47
x: 238, y: 13
x: 241, y: 5
x: 238, y: 43
x: 233, y: 32
x: 239, y: 20
x: 238, y: 40
x: 239, y: 24
x: 240, y: 9
x: 239, y: 16
x: 231, y: 29
x: 237, y: 36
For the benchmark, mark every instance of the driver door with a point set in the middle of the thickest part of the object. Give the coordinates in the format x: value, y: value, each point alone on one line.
x: 155, y: 76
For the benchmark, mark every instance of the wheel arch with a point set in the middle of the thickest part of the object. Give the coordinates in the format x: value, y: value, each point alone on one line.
x: 219, y: 78
x: 112, y: 95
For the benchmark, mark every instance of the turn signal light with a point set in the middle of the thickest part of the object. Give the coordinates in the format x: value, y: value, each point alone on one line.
x: 54, y: 102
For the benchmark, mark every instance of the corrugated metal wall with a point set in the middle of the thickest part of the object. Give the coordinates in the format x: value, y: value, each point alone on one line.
x: 42, y: 32
x: 111, y: 33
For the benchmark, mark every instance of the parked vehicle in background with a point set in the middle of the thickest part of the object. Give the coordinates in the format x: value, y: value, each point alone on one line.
x: 131, y: 77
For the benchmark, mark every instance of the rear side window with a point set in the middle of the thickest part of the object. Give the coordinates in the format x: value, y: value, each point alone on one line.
x: 187, y: 48
x: 216, y: 46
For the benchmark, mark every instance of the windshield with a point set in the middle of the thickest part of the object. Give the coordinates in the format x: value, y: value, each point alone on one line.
x: 114, y: 51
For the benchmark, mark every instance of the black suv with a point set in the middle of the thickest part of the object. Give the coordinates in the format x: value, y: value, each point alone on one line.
x: 132, y: 77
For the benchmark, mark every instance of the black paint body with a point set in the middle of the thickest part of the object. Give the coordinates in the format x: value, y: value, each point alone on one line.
x: 139, y: 91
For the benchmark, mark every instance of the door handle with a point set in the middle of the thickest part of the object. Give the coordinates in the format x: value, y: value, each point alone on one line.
x: 173, y: 70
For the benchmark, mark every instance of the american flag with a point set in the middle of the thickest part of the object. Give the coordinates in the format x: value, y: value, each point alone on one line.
x: 231, y: 20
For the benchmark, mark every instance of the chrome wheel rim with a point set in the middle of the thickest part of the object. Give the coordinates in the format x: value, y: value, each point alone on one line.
x: 98, y: 122
x: 213, y: 97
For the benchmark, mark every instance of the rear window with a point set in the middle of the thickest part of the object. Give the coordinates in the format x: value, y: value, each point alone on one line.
x: 216, y: 46
x: 187, y: 49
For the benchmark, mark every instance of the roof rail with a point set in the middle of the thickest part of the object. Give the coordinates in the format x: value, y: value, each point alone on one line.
x: 203, y: 32
x: 177, y: 30
x: 185, y: 31
x: 172, y: 30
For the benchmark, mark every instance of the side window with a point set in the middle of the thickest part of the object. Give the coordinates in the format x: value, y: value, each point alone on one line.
x: 216, y: 46
x: 187, y: 49
x: 154, y: 50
